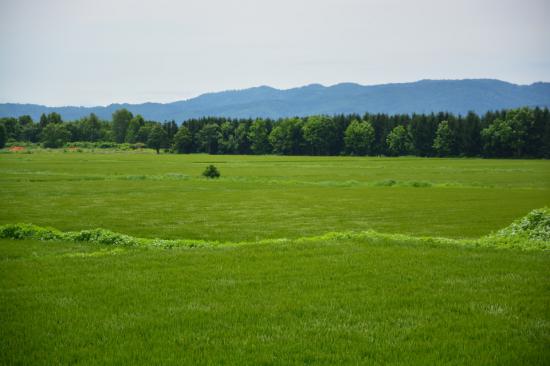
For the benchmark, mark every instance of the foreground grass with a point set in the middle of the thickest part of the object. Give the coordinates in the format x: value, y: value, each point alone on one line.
x: 325, y: 302
x: 261, y: 197
x: 351, y: 297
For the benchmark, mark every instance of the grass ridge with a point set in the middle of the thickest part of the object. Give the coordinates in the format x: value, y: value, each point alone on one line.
x: 531, y: 232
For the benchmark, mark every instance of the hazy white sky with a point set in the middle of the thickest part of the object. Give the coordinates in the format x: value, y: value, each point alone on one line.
x: 96, y: 52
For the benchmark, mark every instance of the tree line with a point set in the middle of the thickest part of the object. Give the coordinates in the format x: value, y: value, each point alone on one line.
x: 522, y: 132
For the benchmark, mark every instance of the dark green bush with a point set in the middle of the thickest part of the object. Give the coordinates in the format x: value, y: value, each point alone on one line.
x: 211, y: 172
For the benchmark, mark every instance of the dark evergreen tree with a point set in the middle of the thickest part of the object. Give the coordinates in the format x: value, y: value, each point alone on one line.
x: 209, y: 136
x: 183, y: 141
x: 2, y: 136
x: 422, y: 133
x: 171, y: 128
x: 258, y: 135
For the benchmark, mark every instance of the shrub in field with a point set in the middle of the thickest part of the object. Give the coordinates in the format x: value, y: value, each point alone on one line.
x: 420, y: 184
x: 23, y: 231
x: 535, y: 226
x: 211, y: 172
x: 106, y: 144
x: 102, y: 236
x: 386, y: 183
x: 138, y: 146
x: 80, y: 144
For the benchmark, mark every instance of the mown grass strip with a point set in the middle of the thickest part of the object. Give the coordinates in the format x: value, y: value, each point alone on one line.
x: 45, y: 176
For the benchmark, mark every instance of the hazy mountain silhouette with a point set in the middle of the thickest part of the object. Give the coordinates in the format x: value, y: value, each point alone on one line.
x: 457, y: 96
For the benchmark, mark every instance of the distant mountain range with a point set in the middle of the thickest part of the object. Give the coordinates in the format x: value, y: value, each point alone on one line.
x: 425, y: 96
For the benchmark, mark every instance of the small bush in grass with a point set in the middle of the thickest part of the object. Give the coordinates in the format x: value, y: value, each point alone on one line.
x: 535, y: 226
x: 24, y: 231
x: 386, y: 183
x: 211, y: 172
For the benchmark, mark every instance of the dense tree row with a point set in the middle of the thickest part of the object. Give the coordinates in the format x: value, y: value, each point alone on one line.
x: 520, y: 132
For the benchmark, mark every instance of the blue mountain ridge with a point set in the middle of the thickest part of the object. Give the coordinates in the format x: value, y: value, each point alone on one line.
x: 424, y: 96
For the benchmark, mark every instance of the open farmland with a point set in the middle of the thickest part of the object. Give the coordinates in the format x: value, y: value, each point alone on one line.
x: 261, y: 197
x: 323, y: 300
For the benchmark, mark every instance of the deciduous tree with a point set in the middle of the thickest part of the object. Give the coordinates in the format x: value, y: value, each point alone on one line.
x: 157, y: 138
x: 399, y: 142
x: 359, y: 138
x: 121, y: 120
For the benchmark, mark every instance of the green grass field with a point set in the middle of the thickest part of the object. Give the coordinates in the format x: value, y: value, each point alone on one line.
x: 355, y: 300
x: 268, y: 197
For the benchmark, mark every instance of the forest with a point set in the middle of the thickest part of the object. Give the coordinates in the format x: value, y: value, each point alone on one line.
x: 516, y: 133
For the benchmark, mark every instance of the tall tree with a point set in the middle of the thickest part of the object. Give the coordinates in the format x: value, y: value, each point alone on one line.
x: 157, y: 138
x: 241, y: 137
x: 183, y: 141
x: 287, y: 138
x: 30, y: 132
x: 2, y: 136
x: 321, y: 136
x: 91, y: 128
x: 25, y: 120
x: 507, y: 136
x: 171, y: 128
x: 500, y: 139
x: 259, y: 137
x: 132, y: 133
x: 227, y: 143
x: 444, y: 139
x: 144, y: 132
x: 469, y: 135
x: 12, y: 126
x: 50, y: 118
x: 359, y: 138
x: 121, y: 120
x: 545, y: 136
x: 43, y: 120
x: 55, y: 135
x: 422, y: 132
x: 209, y: 136
x: 399, y: 142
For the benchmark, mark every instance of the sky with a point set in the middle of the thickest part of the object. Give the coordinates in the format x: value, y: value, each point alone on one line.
x: 97, y: 52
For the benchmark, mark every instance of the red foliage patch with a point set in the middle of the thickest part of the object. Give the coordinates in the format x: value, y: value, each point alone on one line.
x: 16, y: 148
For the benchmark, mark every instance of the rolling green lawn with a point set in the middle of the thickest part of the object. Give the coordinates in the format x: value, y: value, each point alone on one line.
x: 356, y: 300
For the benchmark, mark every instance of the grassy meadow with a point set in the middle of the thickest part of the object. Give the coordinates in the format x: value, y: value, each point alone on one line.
x: 261, y: 197
x: 326, y: 301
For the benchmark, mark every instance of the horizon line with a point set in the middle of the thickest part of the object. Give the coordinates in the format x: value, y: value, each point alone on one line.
x: 270, y: 87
